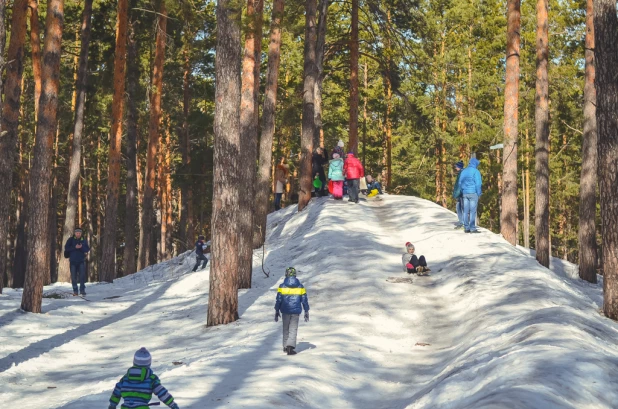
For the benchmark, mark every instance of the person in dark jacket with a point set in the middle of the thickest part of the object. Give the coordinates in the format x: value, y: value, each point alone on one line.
x: 77, y: 247
x: 291, y: 300
x: 318, y: 159
x: 201, y: 249
x: 470, y: 183
x: 458, y: 196
x: 353, y: 170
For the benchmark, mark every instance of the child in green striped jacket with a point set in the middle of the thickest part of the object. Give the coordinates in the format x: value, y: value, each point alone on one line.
x: 138, y: 384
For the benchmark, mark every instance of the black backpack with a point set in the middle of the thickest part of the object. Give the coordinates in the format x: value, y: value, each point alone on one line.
x: 67, y: 254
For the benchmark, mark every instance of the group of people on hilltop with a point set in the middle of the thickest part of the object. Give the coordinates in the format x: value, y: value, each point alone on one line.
x: 346, y: 175
x: 467, y: 191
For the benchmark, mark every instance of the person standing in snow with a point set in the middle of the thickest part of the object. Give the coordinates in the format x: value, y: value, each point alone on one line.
x: 75, y: 250
x: 353, y: 170
x: 470, y: 183
x: 458, y: 196
x: 318, y: 159
x: 201, y: 249
x: 138, y: 384
x: 291, y: 300
x: 335, y: 174
x: 339, y: 149
x: 281, y: 178
x: 412, y: 263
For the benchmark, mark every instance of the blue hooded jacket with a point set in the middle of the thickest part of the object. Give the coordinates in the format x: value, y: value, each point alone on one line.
x: 291, y: 297
x: 78, y: 255
x: 470, y: 180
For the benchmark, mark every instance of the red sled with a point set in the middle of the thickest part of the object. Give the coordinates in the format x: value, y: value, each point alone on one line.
x: 331, y: 186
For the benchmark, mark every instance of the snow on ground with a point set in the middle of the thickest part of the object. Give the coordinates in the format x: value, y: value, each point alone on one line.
x: 490, y: 328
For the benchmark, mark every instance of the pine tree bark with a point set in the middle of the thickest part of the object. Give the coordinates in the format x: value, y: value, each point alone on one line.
x: 541, y: 216
x: 223, y: 294
x: 2, y: 67
x: 131, y: 205
x: 509, y: 211
x: 108, y: 245
x: 10, y: 118
x: 308, y: 124
x: 37, y: 265
x: 262, y: 190
x: 318, y: 137
x: 354, y: 45
x: 148, y: 214
x: 588, y: 180
x: 35, y: 45
x: 249, y: 122
x: 185, y: 148
x: 606, y: 53
x: 78, y: 128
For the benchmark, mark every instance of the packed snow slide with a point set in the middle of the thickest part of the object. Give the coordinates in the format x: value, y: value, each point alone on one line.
x: 489, y: 328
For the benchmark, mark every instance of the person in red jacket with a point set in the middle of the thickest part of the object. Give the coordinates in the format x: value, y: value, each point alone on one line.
x: 353, y: 170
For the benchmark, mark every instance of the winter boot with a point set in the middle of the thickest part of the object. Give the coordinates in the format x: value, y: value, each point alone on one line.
x: 291, y: 351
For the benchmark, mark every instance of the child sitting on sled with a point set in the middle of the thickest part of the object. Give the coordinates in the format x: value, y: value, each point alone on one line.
x: 412, y: 263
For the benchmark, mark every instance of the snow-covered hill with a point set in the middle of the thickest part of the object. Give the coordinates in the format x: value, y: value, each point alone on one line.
x: 490, y: 328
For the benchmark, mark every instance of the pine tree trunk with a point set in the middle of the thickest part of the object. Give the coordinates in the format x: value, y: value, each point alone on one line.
x: 588, y: 180
x: 169, y: 226
x: 35, y: 45
x: 185, y: 148
x: 508, y: 214
x: 366, y: 86
x: 308, y: 124
x: 318, y: 137
x: 78, y: 128
x: 108, y: 245
x: 388, y: 125
x: 262, y: 190
x: 606, y: 53
x: 354, y: 45
x: 148, y: 213
x: 163, y: 198
x: 249, y: 122
x: 10, y: 118
x: 541, y: 216
x: 131, y: 208
x: 3, y: 255
x: 223, y: 294
x: 37, y: 265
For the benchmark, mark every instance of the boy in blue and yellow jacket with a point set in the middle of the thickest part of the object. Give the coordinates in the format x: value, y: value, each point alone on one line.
x: 138, y: 385
x: 291, y: 300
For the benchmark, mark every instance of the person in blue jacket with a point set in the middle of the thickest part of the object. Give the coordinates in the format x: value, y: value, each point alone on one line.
x: 200, y: 253
x: 291, y: 300
x: 76, y: 248
x: 470, y: 184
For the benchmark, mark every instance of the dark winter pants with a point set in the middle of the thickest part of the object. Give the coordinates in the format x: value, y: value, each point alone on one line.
x: 278, y: 201
x: 198, y: 258
x: 78, y: 274
x: 417, y: 261
x: 353, y: 189
x: 290, y: 329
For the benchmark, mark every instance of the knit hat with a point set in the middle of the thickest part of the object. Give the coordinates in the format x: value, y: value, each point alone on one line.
x: 77, y: 230
x: 340, y: 143
x: 200, y: 237
x: 459, y: 165
x: 336, y: 155
x: 408, y: 245
x: 142, y: 357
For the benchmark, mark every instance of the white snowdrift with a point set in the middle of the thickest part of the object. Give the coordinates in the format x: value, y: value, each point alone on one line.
x: 490, y: 328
